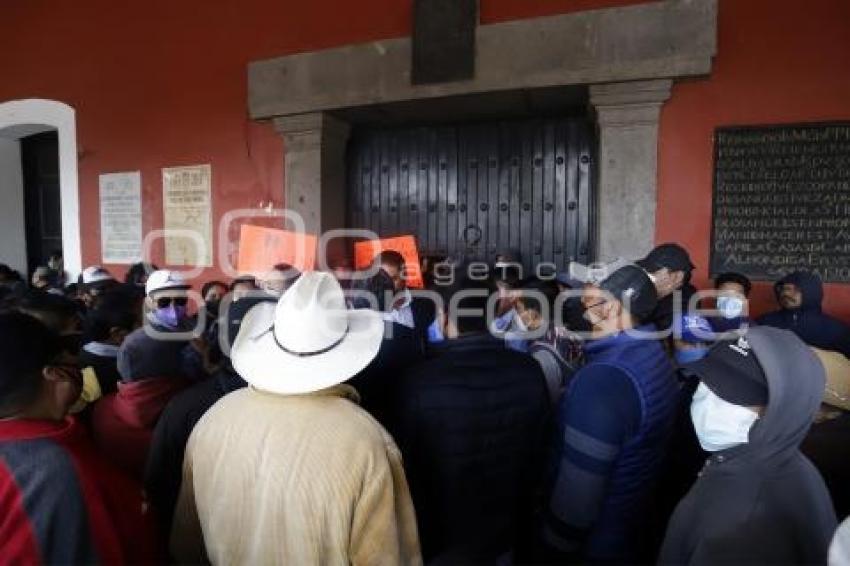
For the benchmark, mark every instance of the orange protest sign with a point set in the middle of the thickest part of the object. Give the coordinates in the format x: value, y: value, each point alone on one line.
x: 365, y: 252
x: 261, y: 248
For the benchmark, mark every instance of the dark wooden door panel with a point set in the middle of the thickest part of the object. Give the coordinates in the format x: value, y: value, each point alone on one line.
x: 472, y: 190
x: 42, y: 207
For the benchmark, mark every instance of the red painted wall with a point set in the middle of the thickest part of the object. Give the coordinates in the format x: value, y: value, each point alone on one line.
x: 164, y: 85
x: 778, y: 61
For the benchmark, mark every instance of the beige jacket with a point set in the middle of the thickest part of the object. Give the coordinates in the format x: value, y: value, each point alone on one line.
x: 300, y: 480
x: 837, y: 368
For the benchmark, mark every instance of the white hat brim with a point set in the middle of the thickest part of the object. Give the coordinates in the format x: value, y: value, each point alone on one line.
x: 264, y: 365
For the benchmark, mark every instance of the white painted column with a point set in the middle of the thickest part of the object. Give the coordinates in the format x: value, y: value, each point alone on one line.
x: 627, y: 115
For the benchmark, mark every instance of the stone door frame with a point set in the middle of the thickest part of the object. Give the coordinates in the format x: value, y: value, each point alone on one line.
x: 628, y: 56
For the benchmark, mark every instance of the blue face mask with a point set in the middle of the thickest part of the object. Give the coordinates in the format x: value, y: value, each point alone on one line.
x: 435, y: 333
x: 730, y: 307
x: 690, y: 355
x: 171, y: 316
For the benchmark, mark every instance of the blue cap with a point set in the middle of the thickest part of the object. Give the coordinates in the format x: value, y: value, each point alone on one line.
x: 564, y: 278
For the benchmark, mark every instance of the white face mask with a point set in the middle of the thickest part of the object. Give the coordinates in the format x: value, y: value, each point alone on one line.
x: 719, y: 424
x: 730, y: 306
x: 592, y: 318
x: 519, y: 324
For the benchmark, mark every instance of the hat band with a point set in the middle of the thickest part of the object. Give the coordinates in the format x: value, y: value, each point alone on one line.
x: 308, y: 354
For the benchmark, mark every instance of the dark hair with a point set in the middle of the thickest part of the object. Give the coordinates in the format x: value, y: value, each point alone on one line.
x: 391, y: 258
x: 113, y: 310
x: 289, y: 274
x: 467, y: 324
x: 7, y: 273
x: 26, y: 347
x: 379, y: 285
x: 209, y: 285
x: 549, y: 289
x: 71, y: 289
x: 250, y: 279
x: 732, y: 277
x: 507, y: 274
x: 55, y: 311
x: 43, y: 275
x: 138, y: 271
x: 283, y: 267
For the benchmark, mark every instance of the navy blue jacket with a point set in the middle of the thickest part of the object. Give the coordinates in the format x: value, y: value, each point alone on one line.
x: 614, y: 422
x: 470, y: 423
x: 809, y: 322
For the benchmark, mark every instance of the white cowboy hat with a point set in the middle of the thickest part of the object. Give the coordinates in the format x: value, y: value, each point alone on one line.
x: 307, y: 341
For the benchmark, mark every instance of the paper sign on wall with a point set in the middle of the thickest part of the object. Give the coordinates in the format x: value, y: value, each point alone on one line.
x: 121, y: 217
x: 365, y: 252
x: 261, y: 248
x: 187, y: 206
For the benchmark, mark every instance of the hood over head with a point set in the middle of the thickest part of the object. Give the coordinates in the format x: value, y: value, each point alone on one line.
x: 809, y: 284
x: 795, y: 381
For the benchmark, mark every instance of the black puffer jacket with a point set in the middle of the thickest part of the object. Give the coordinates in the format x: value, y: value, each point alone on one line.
x: 762, y: 502
x: 471, y: 424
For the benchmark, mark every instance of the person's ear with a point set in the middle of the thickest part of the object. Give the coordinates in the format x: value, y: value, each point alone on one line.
x: 677, y: 278
x: 536, y: 315
x: 53, y: 374
x: 613, y: 309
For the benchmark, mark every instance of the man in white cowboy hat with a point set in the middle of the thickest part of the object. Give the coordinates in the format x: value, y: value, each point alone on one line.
x: 290, y: 470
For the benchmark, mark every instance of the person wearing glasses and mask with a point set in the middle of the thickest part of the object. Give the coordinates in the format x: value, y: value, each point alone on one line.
x: 93, y: 282
x: 670, y: 268
x: 63, y: 502
x: 614, y: 423
x: 154, y: 362
x: 732, y: 303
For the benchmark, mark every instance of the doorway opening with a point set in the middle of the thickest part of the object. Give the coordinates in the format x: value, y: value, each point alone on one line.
x: 39, y: 199
x: 42, y: 203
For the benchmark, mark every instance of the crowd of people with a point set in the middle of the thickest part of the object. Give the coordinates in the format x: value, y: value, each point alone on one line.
x: 605, y: 414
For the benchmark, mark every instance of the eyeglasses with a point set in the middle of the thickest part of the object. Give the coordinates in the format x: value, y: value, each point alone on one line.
x: 593, y: 306
x: 164, y: 302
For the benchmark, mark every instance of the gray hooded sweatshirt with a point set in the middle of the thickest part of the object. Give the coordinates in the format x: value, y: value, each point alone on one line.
x: 762, y: 502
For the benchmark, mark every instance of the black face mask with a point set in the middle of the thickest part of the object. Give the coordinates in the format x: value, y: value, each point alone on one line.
x: 212, y: 307
x: 573, y: 314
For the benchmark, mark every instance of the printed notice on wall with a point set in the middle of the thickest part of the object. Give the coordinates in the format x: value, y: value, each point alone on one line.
x: 188, y: 215
x: 121, y: 217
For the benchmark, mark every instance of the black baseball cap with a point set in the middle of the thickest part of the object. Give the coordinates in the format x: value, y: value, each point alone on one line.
x: 732, y: 371
x: 672, y: 256
x: 632, y: 286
